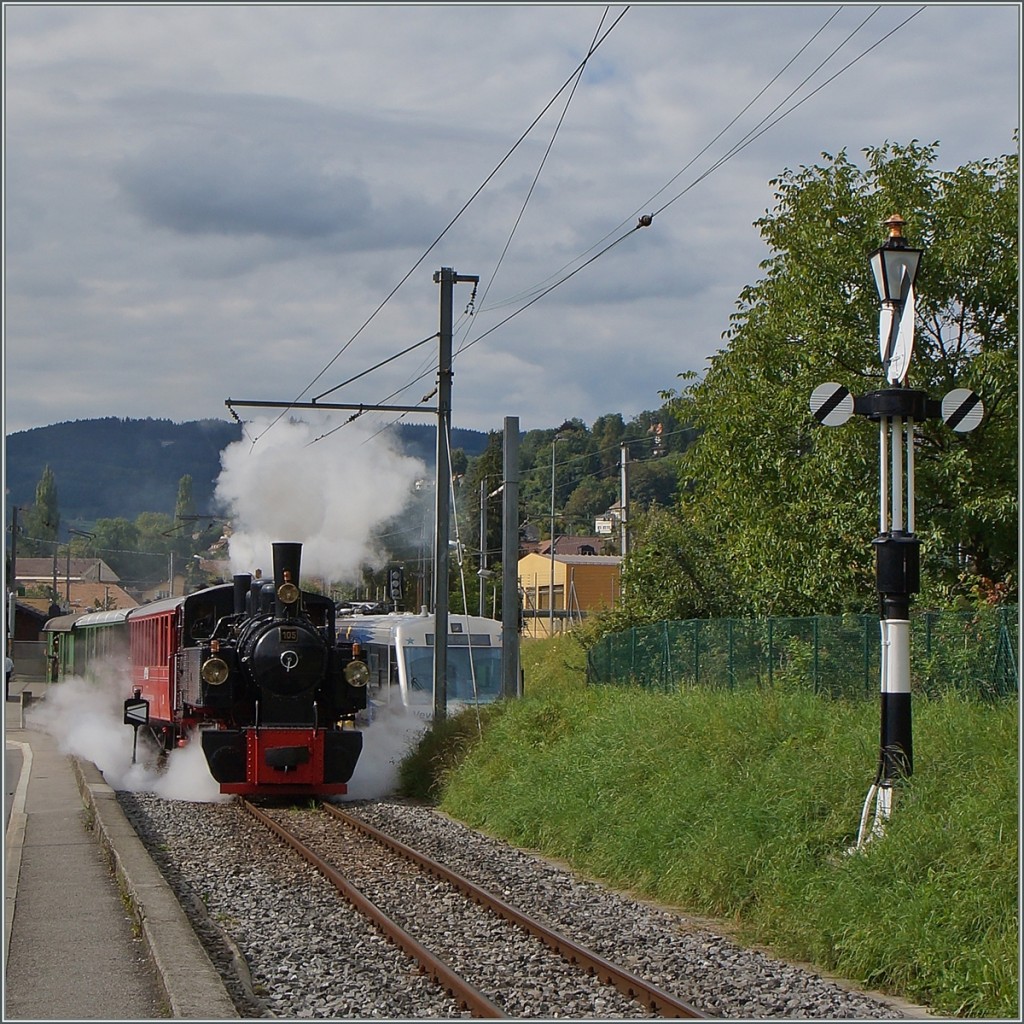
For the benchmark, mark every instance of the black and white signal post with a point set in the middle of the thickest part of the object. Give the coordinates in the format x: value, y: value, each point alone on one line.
x: 897, y: 550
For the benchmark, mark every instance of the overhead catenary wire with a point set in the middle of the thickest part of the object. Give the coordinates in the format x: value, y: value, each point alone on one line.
x: 426, y: 398
x: 512, y: 299
x: 755, y: 133
x: 377, y: 366
x: 763, y: 126
x: 387, y: 298
x: 540, y: 168
x: 577, y: 75
x: 758, y: 130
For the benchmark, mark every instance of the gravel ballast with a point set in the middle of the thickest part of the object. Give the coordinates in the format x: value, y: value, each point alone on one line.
x: 289, y: 947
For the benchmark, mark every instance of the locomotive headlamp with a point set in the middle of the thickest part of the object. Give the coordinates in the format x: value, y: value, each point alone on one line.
x: 288, y: 593
x: 214, y: 671
x: 356, y: 673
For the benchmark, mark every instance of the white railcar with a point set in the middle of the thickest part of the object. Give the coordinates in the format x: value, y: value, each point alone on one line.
x: 399, y: 651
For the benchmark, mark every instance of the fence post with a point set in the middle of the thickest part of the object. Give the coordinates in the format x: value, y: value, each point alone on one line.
x: 666, y: 659
x: 696, y: 652
x: 816, y: 643
x: 732, y: 653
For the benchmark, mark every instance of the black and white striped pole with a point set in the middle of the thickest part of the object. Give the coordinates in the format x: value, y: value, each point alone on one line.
x: 897, y: 549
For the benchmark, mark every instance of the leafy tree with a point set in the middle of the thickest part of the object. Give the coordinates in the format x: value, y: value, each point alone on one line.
x: 185, y: 525
x: 156, y: 532
x: 669, y: 574
x: 569, y: 456
x: 459, y: 462
x: 654, y: 481
x: 608, y: 432
x: 185, y: 505
x: 116, y: 541
x: 39, y: 529
x: 591, y: 498
x: 785, y: 509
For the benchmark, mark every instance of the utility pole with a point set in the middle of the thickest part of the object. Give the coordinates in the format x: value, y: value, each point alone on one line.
x: 551, y: 579
x: 483, y: 546
x: 551, y: 545
x: 624, y: 499
x: 73, y: 533
x: 510, y: 561
x: 13, y: 602
x: 447, y: 278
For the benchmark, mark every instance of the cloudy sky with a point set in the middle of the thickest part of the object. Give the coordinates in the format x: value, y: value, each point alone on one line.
x: 211, y: 201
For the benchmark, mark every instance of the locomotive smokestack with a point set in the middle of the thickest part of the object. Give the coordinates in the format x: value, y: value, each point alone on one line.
x: 255, y: 589
x: 242, y: 582
x: 287, y: 559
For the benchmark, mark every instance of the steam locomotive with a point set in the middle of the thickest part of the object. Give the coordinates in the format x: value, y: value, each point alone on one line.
x: 252, y: 668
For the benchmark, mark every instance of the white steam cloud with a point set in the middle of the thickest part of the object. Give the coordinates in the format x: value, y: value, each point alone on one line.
x: 86, y: 718
x: 386, y: 740
x: 329, y: 496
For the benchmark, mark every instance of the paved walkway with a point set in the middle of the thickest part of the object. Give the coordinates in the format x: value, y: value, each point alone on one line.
x: 81, y: 942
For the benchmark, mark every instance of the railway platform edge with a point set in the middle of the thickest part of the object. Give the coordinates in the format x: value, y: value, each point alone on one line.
x: 47, y: 786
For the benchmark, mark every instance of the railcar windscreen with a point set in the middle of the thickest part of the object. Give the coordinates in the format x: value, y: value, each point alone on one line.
x: 474, y: 673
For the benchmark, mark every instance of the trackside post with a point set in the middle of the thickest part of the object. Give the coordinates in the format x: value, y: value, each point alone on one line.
x: 897, y: 549
x: 136, y: 713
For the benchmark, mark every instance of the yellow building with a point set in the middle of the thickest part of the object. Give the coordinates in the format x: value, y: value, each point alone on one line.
x: 579, y: 585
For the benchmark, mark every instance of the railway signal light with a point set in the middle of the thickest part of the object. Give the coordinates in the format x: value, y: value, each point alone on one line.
x: 897, y: 548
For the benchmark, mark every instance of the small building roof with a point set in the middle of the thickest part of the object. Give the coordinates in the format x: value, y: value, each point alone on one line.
x: 77, y: 568
x: 588, y: 559
x: 84, y: 597
x: 570, y: 546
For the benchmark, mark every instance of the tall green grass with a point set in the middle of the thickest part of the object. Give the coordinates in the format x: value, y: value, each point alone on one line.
x: 742, y: 806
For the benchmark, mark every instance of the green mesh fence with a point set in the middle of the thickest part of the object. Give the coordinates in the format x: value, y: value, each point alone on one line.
x: 974, y: 652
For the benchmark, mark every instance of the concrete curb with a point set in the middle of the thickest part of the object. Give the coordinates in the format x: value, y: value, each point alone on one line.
x: 193, y: 988
x: 14, y: 844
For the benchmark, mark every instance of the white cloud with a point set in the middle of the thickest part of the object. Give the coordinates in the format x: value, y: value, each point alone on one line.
x: 210, y: 201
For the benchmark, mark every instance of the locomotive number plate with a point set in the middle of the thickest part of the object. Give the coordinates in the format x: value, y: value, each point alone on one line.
x: 289, y: 635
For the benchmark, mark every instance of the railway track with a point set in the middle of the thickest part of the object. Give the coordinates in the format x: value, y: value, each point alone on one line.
x: 287, y: 946
x: 408, y: 887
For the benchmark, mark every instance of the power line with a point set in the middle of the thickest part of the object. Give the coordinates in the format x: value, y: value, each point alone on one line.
x: 454, y: 219
x: 577, y: 75
x: 540, y: 167
x: 645, y: 221
x: 760, y: 129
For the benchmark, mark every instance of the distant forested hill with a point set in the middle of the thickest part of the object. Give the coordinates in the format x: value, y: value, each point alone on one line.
x: 110, y: 468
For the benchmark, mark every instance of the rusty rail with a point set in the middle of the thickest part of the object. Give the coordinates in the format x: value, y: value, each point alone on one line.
x: 629, y: 984
x: 468, y: 996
